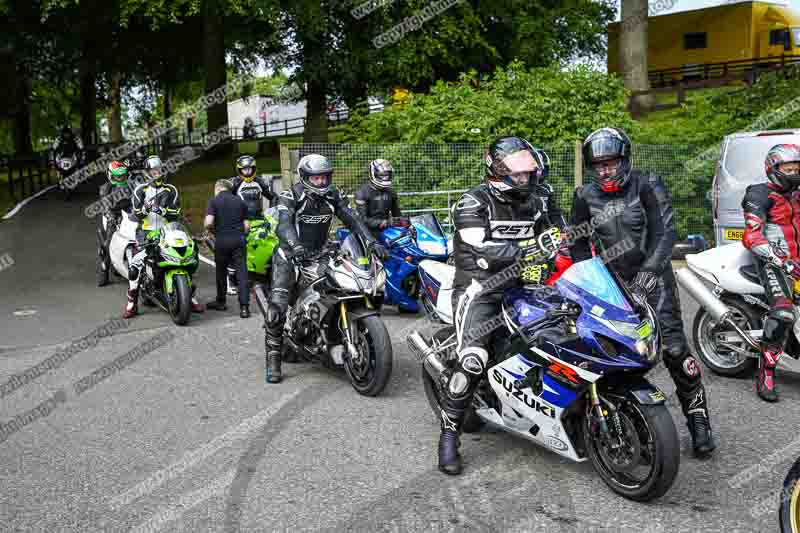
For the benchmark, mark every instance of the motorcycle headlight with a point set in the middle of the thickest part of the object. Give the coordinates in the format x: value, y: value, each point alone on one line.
x: 646, y: 343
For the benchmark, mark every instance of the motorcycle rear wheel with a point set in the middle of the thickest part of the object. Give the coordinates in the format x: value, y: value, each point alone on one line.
x: 656, y: 443
x: 102, y: 268
x: 472, y: 422
x: 720, y: 359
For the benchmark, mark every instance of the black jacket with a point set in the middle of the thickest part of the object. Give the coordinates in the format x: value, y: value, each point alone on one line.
x: 252, y: 193
x: 306, y: 219
x: 488, y: 231
x: 375, y: 206
x: 641, y: 212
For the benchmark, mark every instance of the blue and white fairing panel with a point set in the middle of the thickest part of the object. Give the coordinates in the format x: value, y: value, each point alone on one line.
x: 544, y: 411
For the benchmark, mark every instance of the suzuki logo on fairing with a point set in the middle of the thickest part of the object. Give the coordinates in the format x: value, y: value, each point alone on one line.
x: 546, y: 410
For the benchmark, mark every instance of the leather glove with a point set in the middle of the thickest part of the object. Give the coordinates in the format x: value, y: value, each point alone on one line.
x: 379, y: 250
x: 299, y: 252
x: 402, y: 222
x: 792, y: 269
x: 643, y: 284
x: 529, y: 251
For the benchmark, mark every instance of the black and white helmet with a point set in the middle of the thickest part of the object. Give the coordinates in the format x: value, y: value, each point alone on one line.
x: 154, y: 170
x: 316, y: 173
x: 381, y: 174
x: 513, y: 168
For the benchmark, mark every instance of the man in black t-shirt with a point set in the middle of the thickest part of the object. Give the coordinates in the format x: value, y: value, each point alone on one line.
x: 227, y: 215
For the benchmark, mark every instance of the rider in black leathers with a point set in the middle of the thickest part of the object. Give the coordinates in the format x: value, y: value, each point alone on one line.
x: 644, y: 218
x: 252, y: 189
x: 305, y: 215
x: 494, y: 224
x: 376, y: 202
x: 67, y: 144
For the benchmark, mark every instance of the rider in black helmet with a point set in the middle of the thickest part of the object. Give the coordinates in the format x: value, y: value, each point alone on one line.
x: 253, y: 189
x: 646, y: 219
x: 305, y: 215
x: 376, y: 202
x: 494, y: 224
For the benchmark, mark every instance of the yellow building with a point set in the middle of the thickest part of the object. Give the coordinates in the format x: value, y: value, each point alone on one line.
x: 734, y: 31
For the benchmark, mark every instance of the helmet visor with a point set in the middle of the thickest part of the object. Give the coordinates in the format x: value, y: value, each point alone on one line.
x: 517, y: 163
x: 247, y: 172
x: 319, y: 181
x: 789, y: 168
x: 605, y: 148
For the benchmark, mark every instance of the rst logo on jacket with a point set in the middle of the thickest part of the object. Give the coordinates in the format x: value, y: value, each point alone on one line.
x: 314, y: 219
x: 512, y: 229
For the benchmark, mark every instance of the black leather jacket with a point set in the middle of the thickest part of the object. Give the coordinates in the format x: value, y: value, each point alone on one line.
x: 641, y: 212
x: 252, y: 193
x: 375, y: 206
x: 306, y: 219
x: 488, y: 230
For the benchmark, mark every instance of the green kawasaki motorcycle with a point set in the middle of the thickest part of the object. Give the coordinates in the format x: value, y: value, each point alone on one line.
x: 261, y: 244
x: 171, y: 262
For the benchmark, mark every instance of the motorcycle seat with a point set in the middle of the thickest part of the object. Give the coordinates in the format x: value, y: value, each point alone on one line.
x: 441, y: 272
x: 750, y: 273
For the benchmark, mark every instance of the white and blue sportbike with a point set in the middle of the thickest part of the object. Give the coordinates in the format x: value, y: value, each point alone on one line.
x: 567, y: 371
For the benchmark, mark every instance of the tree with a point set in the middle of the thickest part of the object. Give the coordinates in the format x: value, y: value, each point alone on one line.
x: 633, y: 52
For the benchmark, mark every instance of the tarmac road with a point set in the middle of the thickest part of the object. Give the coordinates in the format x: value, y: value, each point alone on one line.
x: 183, y: 434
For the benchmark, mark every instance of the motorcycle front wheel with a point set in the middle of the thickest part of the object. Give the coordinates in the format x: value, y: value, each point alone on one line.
x: 639, y: 462
x: 789, y: 512
x: 180, y: 301
x: 370, y: 374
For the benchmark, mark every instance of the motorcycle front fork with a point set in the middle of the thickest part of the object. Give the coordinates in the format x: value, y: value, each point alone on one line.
x: 349, y: 344
x: 614, y: 438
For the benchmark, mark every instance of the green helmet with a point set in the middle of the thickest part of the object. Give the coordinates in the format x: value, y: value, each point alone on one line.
x: 117, y: 174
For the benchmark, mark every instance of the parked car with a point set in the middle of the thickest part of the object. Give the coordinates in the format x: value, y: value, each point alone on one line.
x: 741, y: 164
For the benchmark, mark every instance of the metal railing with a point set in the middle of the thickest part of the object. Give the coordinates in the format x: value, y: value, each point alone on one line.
x: 740, y: 69
x: 28, y: 175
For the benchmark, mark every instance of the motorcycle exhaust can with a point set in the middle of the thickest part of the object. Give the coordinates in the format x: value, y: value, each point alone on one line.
x: 698, y: 290
x: 715, y: 307
x: 426, y: 355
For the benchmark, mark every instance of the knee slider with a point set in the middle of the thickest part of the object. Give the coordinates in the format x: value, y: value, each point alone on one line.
x: 133, y: 273
x: 473, y: 360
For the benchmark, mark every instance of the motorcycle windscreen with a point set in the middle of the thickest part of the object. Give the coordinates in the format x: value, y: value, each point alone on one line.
x: 429, y: 222
x: 593, y: 277
x: 354, y: 248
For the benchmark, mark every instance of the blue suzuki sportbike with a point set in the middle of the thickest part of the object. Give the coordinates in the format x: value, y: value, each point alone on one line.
x: 567, y: 371
x: 421, y: 239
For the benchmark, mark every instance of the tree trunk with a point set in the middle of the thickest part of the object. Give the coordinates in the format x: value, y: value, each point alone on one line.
x: 214, y: 59
x: 22, y: 118
x: 358, y: 97
x: 88, y: 76
x: 115, y: 124
x: 167, y: 109
x: 633, y: 53
x: 316, y: 129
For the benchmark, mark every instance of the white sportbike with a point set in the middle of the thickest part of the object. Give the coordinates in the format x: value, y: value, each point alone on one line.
x: 728, y: 327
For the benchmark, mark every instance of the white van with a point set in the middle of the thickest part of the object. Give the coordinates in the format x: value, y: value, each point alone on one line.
x: 740, y: 165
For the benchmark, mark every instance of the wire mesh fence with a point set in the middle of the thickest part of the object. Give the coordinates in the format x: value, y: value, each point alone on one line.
x: 431, y: 177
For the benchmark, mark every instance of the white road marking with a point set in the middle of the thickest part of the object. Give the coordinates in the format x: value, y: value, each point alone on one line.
x: 25, y: 202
